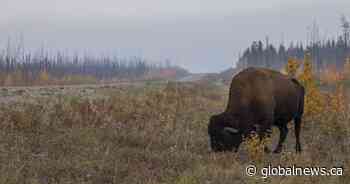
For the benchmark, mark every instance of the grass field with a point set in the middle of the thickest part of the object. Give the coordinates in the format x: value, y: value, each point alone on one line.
x: 146, y: 133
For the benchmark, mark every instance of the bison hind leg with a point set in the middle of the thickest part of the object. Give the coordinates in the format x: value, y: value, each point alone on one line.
x: 283, y: 134
x: 297, y: 122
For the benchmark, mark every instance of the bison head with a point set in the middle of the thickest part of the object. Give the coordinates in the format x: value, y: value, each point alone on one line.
x: 223, y: 137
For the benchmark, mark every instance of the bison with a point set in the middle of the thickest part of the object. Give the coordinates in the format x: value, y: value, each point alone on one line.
x: 258, y: 99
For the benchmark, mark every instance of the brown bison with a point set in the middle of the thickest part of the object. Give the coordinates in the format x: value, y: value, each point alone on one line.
x: 258, y: 99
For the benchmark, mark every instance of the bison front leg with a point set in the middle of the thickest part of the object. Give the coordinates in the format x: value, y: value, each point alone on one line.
x: 283, y: 134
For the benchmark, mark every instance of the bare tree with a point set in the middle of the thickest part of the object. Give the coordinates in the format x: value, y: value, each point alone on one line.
x: 346, y: 30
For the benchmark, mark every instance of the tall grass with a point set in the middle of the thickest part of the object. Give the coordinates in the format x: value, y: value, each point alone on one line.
x: 148, y: 134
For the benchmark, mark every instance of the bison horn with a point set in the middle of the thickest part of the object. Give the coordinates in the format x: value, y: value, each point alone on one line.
x: 257, y: 128
x: 230, y: 129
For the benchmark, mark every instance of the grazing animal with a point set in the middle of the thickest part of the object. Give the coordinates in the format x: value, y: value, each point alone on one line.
x: 258, y: 99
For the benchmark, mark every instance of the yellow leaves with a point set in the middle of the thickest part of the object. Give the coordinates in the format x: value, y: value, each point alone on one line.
x: 338, y: 100
x: 44, y: 76
x: 187, y: 179
x: 336, y: 111
x: 255, y: 146
x: 315, y: 103
x: 329, y: 110
x: 292, y: 67
x: 306, y: 77
x: 314, y: 100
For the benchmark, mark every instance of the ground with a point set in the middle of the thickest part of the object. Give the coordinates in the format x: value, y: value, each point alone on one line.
x: 145, y: 133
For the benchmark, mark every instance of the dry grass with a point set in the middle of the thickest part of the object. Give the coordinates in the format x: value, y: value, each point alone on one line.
x: 148, y: 134
x: 17, y: 78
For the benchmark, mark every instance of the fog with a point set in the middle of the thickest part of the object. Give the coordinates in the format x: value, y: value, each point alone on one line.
x: 202, y: 36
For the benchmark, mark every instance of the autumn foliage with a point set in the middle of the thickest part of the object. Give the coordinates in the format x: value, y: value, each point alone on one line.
x: 314, y: 100
x: 292, y: 67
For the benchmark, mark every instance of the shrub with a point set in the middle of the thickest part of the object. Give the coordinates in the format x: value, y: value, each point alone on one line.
x: 256, y: 147
x: 292, y: 67
x: 314, y: 102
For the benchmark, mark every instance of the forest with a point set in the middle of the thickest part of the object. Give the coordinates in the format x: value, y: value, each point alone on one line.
x: 325, y: 53
x: 20, y: 67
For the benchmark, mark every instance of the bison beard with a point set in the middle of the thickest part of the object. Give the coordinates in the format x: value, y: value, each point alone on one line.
x: 259, y: 99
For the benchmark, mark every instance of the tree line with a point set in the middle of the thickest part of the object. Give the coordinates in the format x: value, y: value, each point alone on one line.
x: 31, y: 66
x: 324, y: 53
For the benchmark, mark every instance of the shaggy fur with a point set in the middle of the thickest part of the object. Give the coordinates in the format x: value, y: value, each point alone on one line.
x: 259, y: 98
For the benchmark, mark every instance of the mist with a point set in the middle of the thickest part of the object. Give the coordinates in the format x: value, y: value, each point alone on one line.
x: 201, y: 36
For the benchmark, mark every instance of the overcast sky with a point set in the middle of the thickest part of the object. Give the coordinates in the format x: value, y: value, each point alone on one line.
x: 200, y: 35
